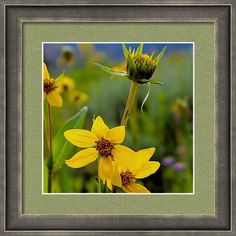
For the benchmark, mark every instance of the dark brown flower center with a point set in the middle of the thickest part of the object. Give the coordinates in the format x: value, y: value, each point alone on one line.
x: 104, y: 147
x: 68, y: 56
x: 65, y: 87
x: 49, y: 85
x: 127, y: 177
x: 76, y: 98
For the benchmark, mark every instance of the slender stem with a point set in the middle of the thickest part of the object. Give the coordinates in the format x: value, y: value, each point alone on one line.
x: 134, y: 125
x: 46, y: 143
x: 99, y: 185
x: 49, y: 180
x: 50, y: 129
x: 50, y: 149
x: 129, y: 103
x: 99, y: 180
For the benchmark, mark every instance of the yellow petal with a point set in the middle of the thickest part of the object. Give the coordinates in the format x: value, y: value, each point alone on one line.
x: 99, y: 128
x: 121, y: 67
x: 54, y: 99
x: 116, y: 135
x: 125, y: 157
x: 135, y: 188
x: 82, y: 158
x: 147, y: 169
x: 109, y: 185
x: 105, y: 169
x: 45, y: 72
x: 81, y: 137
x: 146, y: 154
x: 116, y: 179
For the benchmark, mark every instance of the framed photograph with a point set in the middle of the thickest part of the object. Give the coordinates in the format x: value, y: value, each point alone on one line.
x: 117, y: 160
x: 118, y: 118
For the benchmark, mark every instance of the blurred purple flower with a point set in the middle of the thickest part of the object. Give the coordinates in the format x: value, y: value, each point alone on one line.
x: 178, y: 166
x: 168, y: 161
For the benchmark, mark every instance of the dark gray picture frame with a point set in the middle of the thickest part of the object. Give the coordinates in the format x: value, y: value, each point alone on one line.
x: 13, y: 13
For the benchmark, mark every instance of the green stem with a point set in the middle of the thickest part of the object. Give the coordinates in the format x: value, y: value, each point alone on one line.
x: 49, y: 180
x: 99, y: 180
x: 129, y: 103
x: 46, y: 143
x: 50, y: 149
x: 99, y: 185
x: 50, y: 129
x: 134, y: 125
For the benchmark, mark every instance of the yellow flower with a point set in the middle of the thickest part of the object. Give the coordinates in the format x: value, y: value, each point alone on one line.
x: 86, y: 49
x: 67, y: 57
x: 96, y: 57
x: 181, y: 109
x: 77, y: 97
x: 121, y: 67
x: 66, y: 85
x: 50, y: 89
x: 129, y: 168
x: 100, y: 141
x: 180, y: 105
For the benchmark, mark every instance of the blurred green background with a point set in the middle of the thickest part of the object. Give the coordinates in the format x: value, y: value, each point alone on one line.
x: 166, y: 123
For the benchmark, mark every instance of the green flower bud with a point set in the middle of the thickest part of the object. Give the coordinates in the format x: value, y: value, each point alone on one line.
x: 141, y: 67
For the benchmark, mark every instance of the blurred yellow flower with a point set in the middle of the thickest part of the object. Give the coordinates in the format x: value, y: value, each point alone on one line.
x: 180, y: 108
x: 121, y: 67
x: 91, y: 55
x: 67, y: 57
x: 100, y: 141
x: 179, y: 105
x: 66, y: 85
x: 175, y: 58
x: 86, y: 49
x: 50, y: 88
x: 77, y: 97
x: 126, y: 169
x: 96, y: 57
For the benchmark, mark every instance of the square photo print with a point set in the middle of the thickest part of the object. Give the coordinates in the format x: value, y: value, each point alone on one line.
x: 118, y: 118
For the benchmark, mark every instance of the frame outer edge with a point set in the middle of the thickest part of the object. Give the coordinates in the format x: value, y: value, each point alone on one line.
x: 233, y: 119
x: 15, y: 219
x: 2, y: 123
x: 233, y: 127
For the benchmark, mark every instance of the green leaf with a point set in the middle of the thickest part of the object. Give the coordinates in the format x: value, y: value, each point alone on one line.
x: 65, y: 182
x: 147, y: 95
x: 125, y: 51
x: 49, y: 162
x: 152, y: 81
x: 62, y: 149
x: 117, y: 77
x: 60, y: 77
x: 157, y: 82
x: 119, y: 190
x: 140, y: 49
x: 110, y: 71
x: 131, y: 64
x: 158, y: 58
x: 152, y: 54
x: 45, y: 178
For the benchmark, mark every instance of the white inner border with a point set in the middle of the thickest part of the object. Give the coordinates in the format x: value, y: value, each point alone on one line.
x: 193, y: 193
